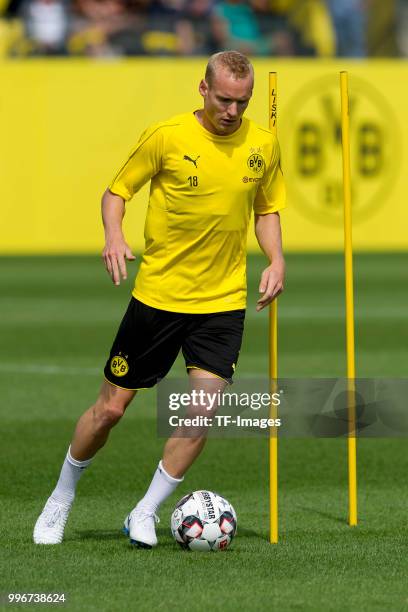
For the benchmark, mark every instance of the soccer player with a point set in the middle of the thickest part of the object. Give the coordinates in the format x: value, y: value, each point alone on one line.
x: 208, y: 170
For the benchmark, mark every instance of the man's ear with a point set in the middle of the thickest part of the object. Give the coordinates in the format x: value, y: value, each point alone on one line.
x: 203, y: 88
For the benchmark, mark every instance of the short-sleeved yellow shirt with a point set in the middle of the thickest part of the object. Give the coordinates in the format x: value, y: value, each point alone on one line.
x: 203, y: 189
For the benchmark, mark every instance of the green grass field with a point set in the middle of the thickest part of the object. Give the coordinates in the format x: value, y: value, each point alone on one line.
x: 58, y: 317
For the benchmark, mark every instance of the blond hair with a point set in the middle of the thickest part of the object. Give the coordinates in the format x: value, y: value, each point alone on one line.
x: 235, y: 62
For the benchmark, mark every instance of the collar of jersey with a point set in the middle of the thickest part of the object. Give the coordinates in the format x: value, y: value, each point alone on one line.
x: 216, y: 137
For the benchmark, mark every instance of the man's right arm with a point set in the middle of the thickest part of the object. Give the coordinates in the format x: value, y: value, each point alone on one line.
x: 116, y: 249
x: 143, y: 163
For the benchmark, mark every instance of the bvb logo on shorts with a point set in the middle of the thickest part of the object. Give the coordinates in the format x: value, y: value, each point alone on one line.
x: 255, y: 162
x: 119, y: 366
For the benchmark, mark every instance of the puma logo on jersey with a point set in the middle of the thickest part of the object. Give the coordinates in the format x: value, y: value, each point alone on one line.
x: 193, y: 161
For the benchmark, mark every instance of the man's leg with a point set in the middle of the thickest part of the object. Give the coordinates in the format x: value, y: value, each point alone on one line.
x: 94, y: 425
x: 178, y: 455
x: 90, y: 435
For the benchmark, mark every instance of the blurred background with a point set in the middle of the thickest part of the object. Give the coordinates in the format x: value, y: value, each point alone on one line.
x: 283, y: 28
x: 81, y: 79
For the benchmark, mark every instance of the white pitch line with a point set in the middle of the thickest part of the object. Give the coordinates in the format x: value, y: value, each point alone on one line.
x: 310, y: 313
x: 54, y: 370
x: 24, y: 368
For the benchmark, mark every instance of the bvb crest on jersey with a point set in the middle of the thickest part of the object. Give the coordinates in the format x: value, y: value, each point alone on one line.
x: 255, y: 162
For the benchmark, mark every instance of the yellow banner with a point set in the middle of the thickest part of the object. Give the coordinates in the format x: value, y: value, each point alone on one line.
x: 67, y: 125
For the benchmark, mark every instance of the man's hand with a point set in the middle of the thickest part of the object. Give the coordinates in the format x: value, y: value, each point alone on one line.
x: 271, y: 284
x: 114, y: 254
x: 116, y: 250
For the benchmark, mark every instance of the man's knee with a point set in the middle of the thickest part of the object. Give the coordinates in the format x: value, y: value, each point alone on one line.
x: 108, y: 413
x: 111, y: 405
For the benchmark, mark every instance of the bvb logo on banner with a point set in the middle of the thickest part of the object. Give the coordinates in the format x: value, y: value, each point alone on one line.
x: 314, y: 161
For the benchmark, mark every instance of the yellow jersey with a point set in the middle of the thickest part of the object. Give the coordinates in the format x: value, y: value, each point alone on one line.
x: 203, y: 189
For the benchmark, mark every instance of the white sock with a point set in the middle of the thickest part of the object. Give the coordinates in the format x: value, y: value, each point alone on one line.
x: 71, y: 472
x: 160, y: 488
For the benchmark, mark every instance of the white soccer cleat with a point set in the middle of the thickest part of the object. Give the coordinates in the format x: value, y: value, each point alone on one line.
x: 50, y: 525
x: 139, y: 525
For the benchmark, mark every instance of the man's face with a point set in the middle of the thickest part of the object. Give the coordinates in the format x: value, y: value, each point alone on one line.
x: 225, y: 101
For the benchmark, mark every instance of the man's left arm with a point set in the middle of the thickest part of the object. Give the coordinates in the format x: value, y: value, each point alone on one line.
x: 269, y: 236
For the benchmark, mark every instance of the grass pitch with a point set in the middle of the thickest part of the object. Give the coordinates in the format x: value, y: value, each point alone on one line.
x: 58, y: 319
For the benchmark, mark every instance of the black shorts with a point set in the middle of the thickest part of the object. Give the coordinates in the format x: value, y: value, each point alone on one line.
x: 149, y: 340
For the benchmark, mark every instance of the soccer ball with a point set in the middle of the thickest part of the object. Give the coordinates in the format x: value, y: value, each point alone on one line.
x: 203, y: 521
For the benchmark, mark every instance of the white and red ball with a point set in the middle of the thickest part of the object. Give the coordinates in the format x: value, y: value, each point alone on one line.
x: 203, y: 521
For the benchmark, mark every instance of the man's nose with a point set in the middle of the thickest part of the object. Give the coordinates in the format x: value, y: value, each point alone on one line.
x: 233, y: 109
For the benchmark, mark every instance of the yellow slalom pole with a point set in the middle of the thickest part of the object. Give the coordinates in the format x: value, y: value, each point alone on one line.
x: 348, y: 263
x: 273, y: 359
